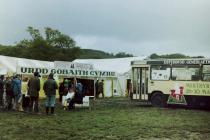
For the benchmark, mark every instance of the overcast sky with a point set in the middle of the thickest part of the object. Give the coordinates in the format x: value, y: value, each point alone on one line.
x: 140, y: 27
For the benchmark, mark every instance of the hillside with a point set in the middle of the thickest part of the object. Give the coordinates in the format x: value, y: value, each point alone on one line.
x: 49, y: 53
x: 53, y: 45
x: 94, y: 54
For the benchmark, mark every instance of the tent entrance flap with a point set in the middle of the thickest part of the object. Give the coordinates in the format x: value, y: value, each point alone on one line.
x: 88, y: 86
x: 140, y: 86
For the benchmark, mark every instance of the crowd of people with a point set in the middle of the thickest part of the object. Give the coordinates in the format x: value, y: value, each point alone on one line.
x: 12, y: 87
x: 11, y: 97
x: 71, y: 92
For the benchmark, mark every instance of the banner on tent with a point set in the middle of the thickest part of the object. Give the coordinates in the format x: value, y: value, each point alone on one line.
x: 70, y: 65
x: 66, y: 72
x: 3, y: 71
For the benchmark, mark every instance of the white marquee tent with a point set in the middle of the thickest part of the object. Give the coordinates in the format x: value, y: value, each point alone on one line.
x: 117, y: 83
x: 120, y: 65
x: 12, y: 65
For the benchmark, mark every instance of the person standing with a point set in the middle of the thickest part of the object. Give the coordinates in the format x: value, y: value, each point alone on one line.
x: 33, y: 92
x: 101, y: 87
x: 50, y: 87
x: 70, y: 98
x: 66, y: 86
x: 96, y: 88
x: 129, y: 88
x: 61, y: 91
x: 16, y: 87
x: 1, y: 90
x: 9, y: 92
x: 79, y: 94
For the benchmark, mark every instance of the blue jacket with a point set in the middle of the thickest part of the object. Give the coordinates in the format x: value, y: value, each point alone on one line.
x: 16, y: 86
x: 79, y: 88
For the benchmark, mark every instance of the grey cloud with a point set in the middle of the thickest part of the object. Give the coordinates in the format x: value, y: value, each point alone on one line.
x: 143, y: 25
x: 140, y: 48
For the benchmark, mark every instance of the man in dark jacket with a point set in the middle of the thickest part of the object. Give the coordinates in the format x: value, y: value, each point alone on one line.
x: 33, y: 92
x: 61, y: 91
x: 50, y: 87
x: 9, y: 92
x: 1, y: 89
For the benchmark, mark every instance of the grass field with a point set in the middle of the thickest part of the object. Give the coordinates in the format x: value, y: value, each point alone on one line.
x: 111, y: 119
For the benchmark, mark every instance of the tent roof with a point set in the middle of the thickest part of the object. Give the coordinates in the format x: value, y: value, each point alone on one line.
x: 11, y: 63
x: 119, y: 65
x: 35, y: 63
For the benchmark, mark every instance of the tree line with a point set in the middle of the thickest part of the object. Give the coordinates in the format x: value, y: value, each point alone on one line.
x: 51, y: 46
x: 172, y: 56
x: 54, y: 45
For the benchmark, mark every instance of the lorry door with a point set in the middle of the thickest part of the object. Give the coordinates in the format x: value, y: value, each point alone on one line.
x: 140, y: 83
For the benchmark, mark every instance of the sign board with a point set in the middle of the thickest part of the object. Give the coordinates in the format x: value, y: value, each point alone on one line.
x: 177, y: 95
x: 70, y: 65
x: 199, y: 88
x: 160, y: 74
x: 187, y: 62
x: 179, y: 62
x: 66, y: 72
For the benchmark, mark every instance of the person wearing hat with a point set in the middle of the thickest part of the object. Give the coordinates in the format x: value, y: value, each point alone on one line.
x: 66, y: 86
x: 50, y: 87
x: 16, y: 87
x: 33, y: 92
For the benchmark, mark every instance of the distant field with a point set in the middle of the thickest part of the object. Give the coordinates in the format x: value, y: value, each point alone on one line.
x: 111, y: 119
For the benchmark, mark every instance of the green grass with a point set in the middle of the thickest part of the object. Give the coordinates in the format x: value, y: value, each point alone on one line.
x: 109, y: 120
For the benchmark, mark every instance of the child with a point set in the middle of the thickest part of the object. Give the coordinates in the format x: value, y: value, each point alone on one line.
x: 68, y: 99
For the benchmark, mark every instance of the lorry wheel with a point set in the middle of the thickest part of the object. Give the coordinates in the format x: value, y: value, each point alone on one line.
x: 157, y: 100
